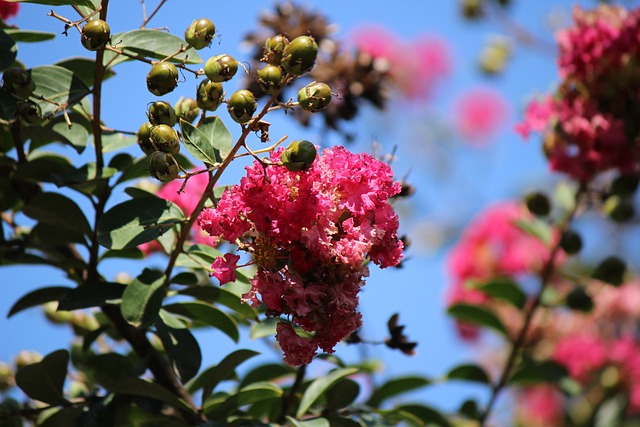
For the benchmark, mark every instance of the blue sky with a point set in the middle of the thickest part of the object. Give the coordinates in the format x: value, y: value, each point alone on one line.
x: 473, y: 177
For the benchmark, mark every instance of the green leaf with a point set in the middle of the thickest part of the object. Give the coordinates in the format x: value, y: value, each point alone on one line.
x: 38, y: 297
x: 316, y: 422
x: 211, y: 377
x: 185, y: 278
x: 395, y: 387
x: 214, y: 295
x: 468, y: 372
x: 207, y: 315
x: 217, y: 133
x: 113, y: 141
x: 530, y: 373
x: 9, y: 50
x: 56, y: 2
x: 342, y: 394
x: 503, y: 288
x: 84, y: 68
x: 131, y: 253
x: 143, y: 297
x: 319, y: 386
x: 219, y: 406
x: 422, y: 415
x: 91, y: 295
x: 57, y: 130
x: 44, y: 380
x: 10, y: 406
x: 198, y: 144
x: 28, y: 36
x: 152, y: 44
x: 58, y: 210
x: 268, y: 372
x: 137, y: 221
x: 48, y: 236
x: 57, y: 84
x: 264, y: 328
x: 536, y: 228
x: 198, y: 257
x: 182, y: 349
x: 477, y: 315
x: 139, y: 387
x: 47, y: 168
x: 110, y: 368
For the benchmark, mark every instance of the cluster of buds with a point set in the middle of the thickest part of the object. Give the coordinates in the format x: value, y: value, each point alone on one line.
x: 19, y: 83
x: 160, y: 141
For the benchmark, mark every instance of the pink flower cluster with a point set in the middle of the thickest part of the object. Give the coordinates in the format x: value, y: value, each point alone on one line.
x: 415, y: 67
x: 311, y: 234
x: 492, y: 246
x: 590, y: 124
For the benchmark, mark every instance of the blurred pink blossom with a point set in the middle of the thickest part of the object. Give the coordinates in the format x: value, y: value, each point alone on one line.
x: 479, y: 114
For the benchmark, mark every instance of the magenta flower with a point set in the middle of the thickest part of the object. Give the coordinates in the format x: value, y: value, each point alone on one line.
x: 479, y: 114
x: 8, y: 9
x: 224, y: 268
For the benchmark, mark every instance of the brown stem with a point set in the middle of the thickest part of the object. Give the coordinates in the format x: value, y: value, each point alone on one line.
x: 147, y: 60
x: 290, y: 397
x: 147, y: 19
x: 17, y: 141
x: 546, y: 274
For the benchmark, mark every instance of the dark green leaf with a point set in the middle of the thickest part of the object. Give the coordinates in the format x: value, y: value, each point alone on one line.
x: 57, y: 84
x: 61, y: 417
x: 28, y: 36
x: 57, y: 130
x: 395, y: 387
x: 220, y: 405
x: 207, y: 315
x: 110, y: 368
x: 529, y: 373
x: 258, y: 391
x: 137, y: 221
x: 211, y: 377
x: 505, y: 289
x: 44, y: 380
x: 85, y: 180
x: 198, y: 143
x: 182, y: 349
x: 91, y: 295
x: 536, y: 228
x: 468, y: 372
x: 264, y: 328
x: 84, y: 68
x: 198, y: 257
x: 139, y: 387
x: 342, y: 394
x: 476, y: 315
x: 142, y: 298
x: 268, y: 372
x: 150, y: 43
x: 319, y: 386
x: 217, y: 133
x: 315, y: 422
x: 424, y: 415
x: 131, y: 253
x: 38, y: 297
x: 10, y: 406
x: 58, y: 210
x: 185, y: 278
x: 8, y: 49
x: 46, y: 168
x: 214, y: 295
x: 138, y: 169
x: 49, y: 235
x: 56, y: 2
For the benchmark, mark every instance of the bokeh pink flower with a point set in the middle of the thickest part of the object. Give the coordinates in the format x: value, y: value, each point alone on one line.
x: 479, y: 114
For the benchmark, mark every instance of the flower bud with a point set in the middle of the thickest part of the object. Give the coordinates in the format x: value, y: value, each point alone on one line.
x: 95, y: 35
x: 209, y: 95
x: 187, y: 109
x: 538, y: 204
x: 269, y: 79
x: 299, y: 155
x: 18, y: 82
x: 579, y: 299
x: 241, y: 106
x: 162, y: 79
x: 6, y: 377
x: 314, y: 97
x: 29, y: 112
x: 472, y: 9
x: 619, y: 208
x: 27, y: 357
x: 494, y: 56
x: 162, y: 166
x: 164, y: 138
x: 161, y: 113
x: 144, y: 138
x: 610, y: 270
x: 200, y: 33
x: 274, y: 48
x: 299, y: 55
x: 54, y: 316
x: 220, y: 68
x: 571, y: 242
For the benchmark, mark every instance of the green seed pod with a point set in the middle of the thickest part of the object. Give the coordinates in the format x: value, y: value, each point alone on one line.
x: 610, y: 270
x: 54, y: 316
x: 209, y: 95
x: 274, y: 48
x: 619, y: 208
x: 95, y: 35
x: 472, y: 9
x: 162, y: 79
x: 161, y: 113
x: 269, y: 79
x: 299, y: 55
x: 29, y: 112
x: 242, y: 105
x: 144, y: 138
x: 220, y: 68
x: 26, y: 358
x: 299, y: 155
x: 164, y: 138
x: 571, y: 242
x: 162, y: 166
x: 18, y: 82
x: 314, y: 97
x: 538, y: 204
x: 579, y: 299
x: 7, y: 381
x: 200, y: 33
x: 187, y: 109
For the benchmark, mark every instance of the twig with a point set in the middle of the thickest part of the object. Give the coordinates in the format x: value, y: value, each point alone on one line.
x: 147, y: 60
x: 68, y: 23
x: 144, y: 12
x: 288, y: 400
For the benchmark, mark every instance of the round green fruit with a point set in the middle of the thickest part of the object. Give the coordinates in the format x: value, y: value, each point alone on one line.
x: 162, y: 79
x: 18, y: 82
x: 299, y: 155
x: 200, y: 33
x: 164, y: 138
x: 209, y: 95
x: 299, y: 55
x: 241, y: 106
x: 220, y: 68
x: 162, y: 166
x: 269, y: 79
x: 95, y: 35
x: 314, y: 97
